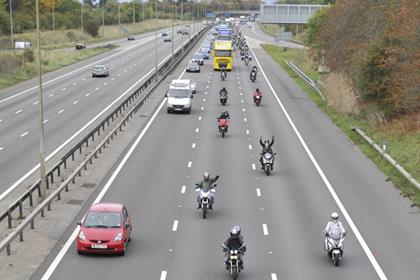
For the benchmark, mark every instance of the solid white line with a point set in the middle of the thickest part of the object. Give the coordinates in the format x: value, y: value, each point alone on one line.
x: 21, y: 179
x: 75, y: 102
x: 327, y: 183
x: 253, y: 166
x: 189, y: 164
x: 24, y: 134
x: 61, y: 111
x: 45, y: 121
x: 273, y: 276
x: 193, y: 145
x: 250, y: 146
x: 175, y: 225
x: 108, y: 184
x: 77, y: 70
x: 163, y: 275
x: 19, y: 111
x: 265, y: 230
x: 183, y: 189
x: 258, y: 192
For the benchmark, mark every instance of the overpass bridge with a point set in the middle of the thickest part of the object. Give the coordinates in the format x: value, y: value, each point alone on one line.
x: 237, y: 12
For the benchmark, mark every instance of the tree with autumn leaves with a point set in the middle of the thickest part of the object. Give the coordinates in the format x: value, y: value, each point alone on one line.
x: 377, y: 44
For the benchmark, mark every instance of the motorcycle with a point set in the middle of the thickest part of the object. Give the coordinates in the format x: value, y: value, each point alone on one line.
x: 223, y: 126
x: 267, y: 162
x: 253, y: 76
x: 223, y: 98
x: 223, y: 75
x: 257, y: 99
x: 335, y: 246
x: 234, y: 260
x: 205, y: 200
x: 246, y: 59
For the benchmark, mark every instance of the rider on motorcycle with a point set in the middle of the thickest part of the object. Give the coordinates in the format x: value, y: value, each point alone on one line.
x: 333, y: 225
x: 253, y: 72
x: 223, y: 73
x: 223, y: 91
x: 257, y: 93
x: 234, y: 242
x: 224, y: 115
x: 266, y: 148
x: 205, y: 185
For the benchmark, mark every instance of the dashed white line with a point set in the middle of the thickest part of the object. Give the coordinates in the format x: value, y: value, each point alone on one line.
x: 1, y: 120
x: 265, y: 229
x: 204, y: 100
x: 250, y: 147
x: 175, y: 225
x: 197, y: 130
x: 35, y: 103
x: 61, y: 111
x: 247, y: 131
x: 202, y: 108
x: 199, y: 118
x: 74, y: 84
x: 258, y: 192
x: 243, y: 109
x: 273, y: 276
x: 205, y: 93
x: 45, y: 121
x: 163, y: 275
x: 63, y: 89
x: 242, y: 101
x: 75, y: 102
x: 98, y: 88
x: 113, y: 79
x: 119, y: 74
x: 84, y: 79
x: 189, y: 164
x: 51, y: 95
x: 245, y: 120
x: 19, y: 111
x: 253, y: 166
x: 193, y: 145
x: 87, y: 94
x: 24, y: 134
x: 105, y: 84
x: 1, y: 148
x: 183, y: 189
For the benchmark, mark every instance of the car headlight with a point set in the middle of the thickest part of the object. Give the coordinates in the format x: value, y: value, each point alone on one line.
x: 119, y: 237
x: 82, y: 236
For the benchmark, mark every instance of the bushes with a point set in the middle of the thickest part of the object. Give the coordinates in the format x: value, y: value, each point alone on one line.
x: 28, y: 55
x: 91, y: 26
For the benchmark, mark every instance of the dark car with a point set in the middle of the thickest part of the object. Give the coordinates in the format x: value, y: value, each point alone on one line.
x: 131, y: 38
x: 80, y: 46
x: 164, y: 34
x: 193, y: 67
x: 184, y: 31
x: 167, y: 39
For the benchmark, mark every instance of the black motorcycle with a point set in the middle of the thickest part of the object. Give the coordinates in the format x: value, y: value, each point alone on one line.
x: 234, y: 260
x: 253, y: 76
x: 267, y: 162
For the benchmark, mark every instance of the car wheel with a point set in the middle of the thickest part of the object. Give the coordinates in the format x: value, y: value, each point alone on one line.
x: 93, y: 76
x: 168, y: 111
x: 79, y: 252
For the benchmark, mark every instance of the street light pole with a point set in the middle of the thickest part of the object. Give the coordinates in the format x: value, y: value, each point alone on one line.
x: 53, y: 14
x: 11, y: 23
x: 182, y: 29
x: 81, y: 18
x: 134, y: 12
x: 103, y: 18
x: 119, y: 18
x: 42, y: 187
x: 172, y: 27
x: 156, y: 41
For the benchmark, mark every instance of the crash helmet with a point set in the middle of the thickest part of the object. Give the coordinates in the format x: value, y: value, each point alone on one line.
x: 334, y: 216
x: 257, y: 90
x: 206, y: 176
x: 235, y: 231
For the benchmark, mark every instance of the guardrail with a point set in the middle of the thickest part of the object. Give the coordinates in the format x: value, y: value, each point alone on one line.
x: 166, y: 68
x: 304, y: 77
x: 392, y: 161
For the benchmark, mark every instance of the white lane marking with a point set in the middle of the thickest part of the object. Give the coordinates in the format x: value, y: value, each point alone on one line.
x: 119, y: 74
x: 197, y: 130
x: 207, y: 86
x: 204, y: 100
x: 108, y: 184
x: 77, y: 70
x: 113, y: 79
x: 84, y: 79
x: 193, y: 145
x: 1, y: 148
x: 253, y: 166
x: 105, y: 84
x: 202, y: 108
x: 19, y: 111
x: 240, y: 94
x: 35, y: 103
x: 87, y: 94
x: 205, y: 93
x: 273, y: 276
x: 327, y: 183
x: 75, y: 102
x: 163, y: 275
x: 175, y: 225
x: 245, y: 120
x: 243, y: 109
x: 265, y: 229
x: 98, y: 88
x: 240, y: 88
x: 242, y: 101
x: 61, y: 111
x: 183, y: 189
x: 258, y: 192
x: 74, y: 84
x: 63, y: 89
x: 45, y: 121
x: 24, y: 134
x: 125, y: 70
x: 189, y: 164
x: 247, y: 131
x: 1, y: 120
x: 51, y: 95
x: 199, y: 118
x: 250, y: 146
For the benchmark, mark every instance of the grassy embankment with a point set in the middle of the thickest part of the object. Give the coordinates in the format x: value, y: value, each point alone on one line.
x: 16, y: 68
x: 274, y: 29
x: 402, y: 144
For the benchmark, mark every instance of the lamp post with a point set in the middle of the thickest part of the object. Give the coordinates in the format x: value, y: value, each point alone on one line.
x: 172, y: 28
x: 42, y: 187
x: 119, y: 18
x: 53, y: 15
x: 156, y: 41
x: 81, y: 18
x: 103, y: 18
x: 11, y: 23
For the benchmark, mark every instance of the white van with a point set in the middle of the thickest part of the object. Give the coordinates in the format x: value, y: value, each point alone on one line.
x: 179, y: 96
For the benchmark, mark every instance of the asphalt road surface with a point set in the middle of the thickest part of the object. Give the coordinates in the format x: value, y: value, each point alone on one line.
x: 317, y: 170
x: 72, y: 99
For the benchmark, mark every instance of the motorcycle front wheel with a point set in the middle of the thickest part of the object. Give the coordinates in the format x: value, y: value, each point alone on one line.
x: 204, y: 211
x: 234, y: 273
x: 267, y: 170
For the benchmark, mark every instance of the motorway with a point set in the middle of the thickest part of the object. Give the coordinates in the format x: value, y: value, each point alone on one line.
x: 317, y: 171
x: 72, y: 99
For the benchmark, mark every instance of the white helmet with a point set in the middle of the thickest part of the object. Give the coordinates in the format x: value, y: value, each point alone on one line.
x: 206, y: 175
x: 334, y: 216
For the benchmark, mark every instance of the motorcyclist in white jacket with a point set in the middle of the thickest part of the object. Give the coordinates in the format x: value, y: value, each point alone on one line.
x: 333, y: 225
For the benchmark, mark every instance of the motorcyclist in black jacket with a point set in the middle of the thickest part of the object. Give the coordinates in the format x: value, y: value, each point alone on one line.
x: 234, y: 242
x: 223, y: 91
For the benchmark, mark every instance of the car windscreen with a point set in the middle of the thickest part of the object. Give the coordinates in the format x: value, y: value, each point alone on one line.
x: 100, y: 68
x: 99, y: 219
x: 223, y: 53
x: 179, y: 93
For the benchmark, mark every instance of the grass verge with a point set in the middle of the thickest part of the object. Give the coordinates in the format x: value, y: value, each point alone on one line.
x: 403, y: 146
x: 51, y: 60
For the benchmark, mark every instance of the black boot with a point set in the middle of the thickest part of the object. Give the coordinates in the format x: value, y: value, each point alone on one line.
x: 199, y: 206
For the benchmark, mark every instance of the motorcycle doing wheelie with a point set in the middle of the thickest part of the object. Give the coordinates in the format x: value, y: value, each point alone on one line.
x: 206, y: 199
x: 267, y: 162
x: 335, y: 246
x: 234, y: 260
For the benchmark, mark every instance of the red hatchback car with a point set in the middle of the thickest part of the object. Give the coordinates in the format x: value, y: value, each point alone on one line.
x: 106, y: 229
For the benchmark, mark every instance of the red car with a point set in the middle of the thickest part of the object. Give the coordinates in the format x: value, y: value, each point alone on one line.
x: 106, y: 228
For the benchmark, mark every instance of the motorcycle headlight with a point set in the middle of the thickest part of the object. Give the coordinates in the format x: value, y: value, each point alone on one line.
x: 119, y: 237
x: 82, y: 236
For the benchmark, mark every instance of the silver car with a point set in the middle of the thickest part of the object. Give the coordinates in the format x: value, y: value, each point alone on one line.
x: 193, y: 67
x: 197, y: 58
x: 100, y: 71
